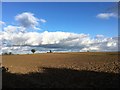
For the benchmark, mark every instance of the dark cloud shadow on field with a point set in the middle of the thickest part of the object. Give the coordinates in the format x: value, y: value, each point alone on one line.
x: 60, y: 78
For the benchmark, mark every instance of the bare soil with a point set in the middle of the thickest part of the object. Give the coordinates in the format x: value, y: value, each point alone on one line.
x: 50, y: 70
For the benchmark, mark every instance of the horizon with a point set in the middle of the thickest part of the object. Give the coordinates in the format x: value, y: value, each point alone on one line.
x: 60, y: 27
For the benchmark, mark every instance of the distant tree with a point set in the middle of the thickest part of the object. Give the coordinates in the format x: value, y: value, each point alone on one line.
x: 50, y: 51
x: 10, y: 53
x: 5, y: 53
x: 88, y: 51
x: 33, y: 50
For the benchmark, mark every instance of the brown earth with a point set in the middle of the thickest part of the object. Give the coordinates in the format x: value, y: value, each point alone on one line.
x: 89, y: 69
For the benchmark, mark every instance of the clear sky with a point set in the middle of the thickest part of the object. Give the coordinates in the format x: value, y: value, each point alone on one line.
x: 68, y: 17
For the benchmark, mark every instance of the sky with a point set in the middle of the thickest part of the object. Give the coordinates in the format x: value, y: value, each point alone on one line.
x: 64, y: 26
x: 68, y: 17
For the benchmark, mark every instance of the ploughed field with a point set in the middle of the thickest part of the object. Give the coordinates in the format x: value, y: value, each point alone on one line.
x: 50, y: 70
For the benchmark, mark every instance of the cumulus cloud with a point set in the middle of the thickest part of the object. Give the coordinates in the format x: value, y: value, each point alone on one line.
x: 27, y: 20
x: 14, y: 29
x: 10, y: 28
x: 106, y: 15
x: 57, y: 41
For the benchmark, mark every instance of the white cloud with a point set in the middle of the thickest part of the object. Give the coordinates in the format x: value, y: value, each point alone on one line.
x: 18, y: 40
x: 99, y: 36
x: 10, y: 28
x: 58, y: 41
x: 27, y: 20
x: 2, y: 23
x: 14, y: 29
x: 43, y: 20
x: 106, y: 15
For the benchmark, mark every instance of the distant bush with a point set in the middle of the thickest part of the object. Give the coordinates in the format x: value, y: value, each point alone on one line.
x: 5, y: 53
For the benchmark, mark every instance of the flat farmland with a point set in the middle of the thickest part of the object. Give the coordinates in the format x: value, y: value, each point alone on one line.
x: 74, y: 69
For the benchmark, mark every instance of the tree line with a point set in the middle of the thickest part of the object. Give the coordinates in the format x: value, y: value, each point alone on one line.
x: 32, y: 50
